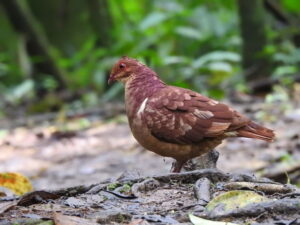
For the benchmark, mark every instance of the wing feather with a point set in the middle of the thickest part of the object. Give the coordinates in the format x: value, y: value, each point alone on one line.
x: 178, y: 115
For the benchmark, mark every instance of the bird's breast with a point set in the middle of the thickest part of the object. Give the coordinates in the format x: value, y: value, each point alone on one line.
x: 136, y: 100
x: 145, y: 138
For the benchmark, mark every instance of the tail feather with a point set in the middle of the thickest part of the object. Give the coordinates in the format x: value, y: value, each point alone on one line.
x: 253, y: 130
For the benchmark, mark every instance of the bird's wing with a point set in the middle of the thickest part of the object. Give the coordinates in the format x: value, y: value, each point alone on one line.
x: 181, y: 116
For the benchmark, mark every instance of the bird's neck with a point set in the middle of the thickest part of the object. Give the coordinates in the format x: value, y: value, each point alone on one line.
x: 140, y: 87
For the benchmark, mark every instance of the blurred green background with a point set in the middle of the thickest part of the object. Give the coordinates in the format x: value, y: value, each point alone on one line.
x: 58, y: 53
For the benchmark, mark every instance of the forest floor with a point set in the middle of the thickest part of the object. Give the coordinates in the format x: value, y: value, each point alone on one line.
x: 90, y: 149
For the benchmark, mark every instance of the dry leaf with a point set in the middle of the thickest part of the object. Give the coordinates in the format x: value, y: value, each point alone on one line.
x: 199, y: 221
x: 235, y: 199
x: 60, y: 219
x: 15, y: 182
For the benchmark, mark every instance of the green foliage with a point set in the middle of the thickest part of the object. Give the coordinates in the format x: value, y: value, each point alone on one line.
x: 291, y: 5
x: 112, y: 186
x: 192, y: 44
x: 185, y: 50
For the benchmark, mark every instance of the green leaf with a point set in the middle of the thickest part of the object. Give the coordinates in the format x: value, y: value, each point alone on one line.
x: 216, y: 56
x: 189, y: 32
x: 182, y: 84
x: 199, y: 221
x: 153, y: 19
x: 220, y: 66
x: 291, y: 5
x: 18, y: 92
x: 232, y: 200
x: 216, y: 93
x: 174, y: 60
x: 3, y: 69
x: 282, y: 71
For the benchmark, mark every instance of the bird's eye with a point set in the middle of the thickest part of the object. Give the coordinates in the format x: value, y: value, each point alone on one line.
x: 122, y: 66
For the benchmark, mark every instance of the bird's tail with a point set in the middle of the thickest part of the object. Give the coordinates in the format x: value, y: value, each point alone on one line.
x: 253, y: 130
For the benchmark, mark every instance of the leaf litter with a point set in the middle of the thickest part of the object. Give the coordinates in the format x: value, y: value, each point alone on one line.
x: 55, y: 158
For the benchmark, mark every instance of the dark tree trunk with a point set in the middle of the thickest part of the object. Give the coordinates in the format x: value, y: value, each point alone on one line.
x: 252, y: 24
x: 100, y: 21
x: 36, y: 44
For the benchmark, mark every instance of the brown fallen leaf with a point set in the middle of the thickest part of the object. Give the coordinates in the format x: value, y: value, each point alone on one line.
x: 36, y: 197
x: 60, y: 219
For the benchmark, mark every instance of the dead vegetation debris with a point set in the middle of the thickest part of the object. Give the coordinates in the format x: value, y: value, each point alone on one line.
x: 164, y: 199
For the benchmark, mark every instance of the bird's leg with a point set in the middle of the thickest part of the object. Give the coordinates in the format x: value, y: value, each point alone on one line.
x: 176, y: 166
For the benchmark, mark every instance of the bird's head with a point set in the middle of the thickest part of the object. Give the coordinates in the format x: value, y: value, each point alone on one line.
x: 124, y: 69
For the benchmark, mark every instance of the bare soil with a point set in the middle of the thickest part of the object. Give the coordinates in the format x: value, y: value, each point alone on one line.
x: 86, y: 151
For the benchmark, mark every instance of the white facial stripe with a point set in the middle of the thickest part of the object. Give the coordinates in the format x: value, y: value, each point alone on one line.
x: 142, y: 107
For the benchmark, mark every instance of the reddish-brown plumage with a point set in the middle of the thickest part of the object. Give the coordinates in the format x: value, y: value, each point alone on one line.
x: 177, y: 122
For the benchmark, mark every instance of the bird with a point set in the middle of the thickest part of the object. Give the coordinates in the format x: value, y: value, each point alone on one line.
x: 177, y: 122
